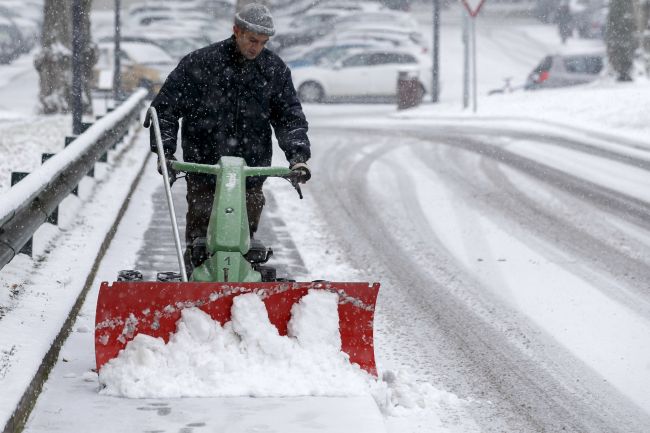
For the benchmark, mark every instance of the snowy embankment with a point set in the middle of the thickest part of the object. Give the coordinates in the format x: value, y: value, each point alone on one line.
x: 605, y: 107
x: 37, y: 294
x: 25, y: 135
x: 25, y: 191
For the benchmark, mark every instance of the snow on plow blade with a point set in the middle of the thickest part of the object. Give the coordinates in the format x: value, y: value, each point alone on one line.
x: 125, y: 309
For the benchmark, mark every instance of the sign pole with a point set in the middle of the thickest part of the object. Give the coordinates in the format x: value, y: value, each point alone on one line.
x: 473, y: 7
x: 465, y: 19
x: 474, y: 77
x: 117, y: 67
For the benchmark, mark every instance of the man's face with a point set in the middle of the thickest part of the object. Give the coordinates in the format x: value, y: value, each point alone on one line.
x: 250, y: 44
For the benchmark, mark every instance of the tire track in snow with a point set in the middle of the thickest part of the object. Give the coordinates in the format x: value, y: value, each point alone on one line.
x: 458, y: 331
x: 564, y: 233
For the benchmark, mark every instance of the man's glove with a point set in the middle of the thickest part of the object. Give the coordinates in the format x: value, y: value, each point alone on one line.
x: 303, y: 174
x: 170, y: 171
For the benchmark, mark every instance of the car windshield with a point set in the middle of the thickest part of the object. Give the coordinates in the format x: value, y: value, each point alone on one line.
x: 545, y: 65
x: 584, y: 64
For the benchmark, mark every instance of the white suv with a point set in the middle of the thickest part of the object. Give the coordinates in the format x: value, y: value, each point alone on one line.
x: 366, y: 74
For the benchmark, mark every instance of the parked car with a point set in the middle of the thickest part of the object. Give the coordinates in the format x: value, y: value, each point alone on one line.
x: 295, y: 7
x: 329, y: 53
x: 139, y: 11
x: 315, y: 17
x: 564, y: 70
x: 385, y: 36
x: 142, y: 65
x: 328, y: 22
x: 221, y: 8
x: 29, y: 28
x: 175, y: 44
x: 591, y: 23
x: 351, y: 5
x: 405, y: 40
x: 392, y: 30
x: 403, y: 5
x: 389, y: 18
x: 10, y: 45
x: 30, y: 9
x: 365, y: 74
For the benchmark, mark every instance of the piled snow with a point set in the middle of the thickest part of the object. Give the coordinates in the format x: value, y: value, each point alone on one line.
x: 22, y: 141
x: 245, y: 357
x: 398, y: 394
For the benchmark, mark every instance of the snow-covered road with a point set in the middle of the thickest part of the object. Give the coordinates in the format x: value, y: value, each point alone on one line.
x: 510, y: 277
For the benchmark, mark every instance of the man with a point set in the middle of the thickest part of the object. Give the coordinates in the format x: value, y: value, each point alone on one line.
x: 229, y: 95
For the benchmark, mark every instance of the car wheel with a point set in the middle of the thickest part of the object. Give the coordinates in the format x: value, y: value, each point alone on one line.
x: 311, y: 92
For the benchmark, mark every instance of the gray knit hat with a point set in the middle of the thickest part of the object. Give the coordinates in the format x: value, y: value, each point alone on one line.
x: 256, y: 18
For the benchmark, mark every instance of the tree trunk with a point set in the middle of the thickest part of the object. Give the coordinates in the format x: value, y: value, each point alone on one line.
x: 54, y: 61
x: 644, y: 28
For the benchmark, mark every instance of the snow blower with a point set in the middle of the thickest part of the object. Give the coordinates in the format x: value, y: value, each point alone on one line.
x: 130, y: 306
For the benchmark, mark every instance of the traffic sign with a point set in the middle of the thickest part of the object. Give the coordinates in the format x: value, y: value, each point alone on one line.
x: 473, y: 6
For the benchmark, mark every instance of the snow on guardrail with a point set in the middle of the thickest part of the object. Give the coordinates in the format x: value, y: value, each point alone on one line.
x: 58, y: 176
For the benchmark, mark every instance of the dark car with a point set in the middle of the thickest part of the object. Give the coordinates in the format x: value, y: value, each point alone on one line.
x: 564, y: 70
x: 402, y: 5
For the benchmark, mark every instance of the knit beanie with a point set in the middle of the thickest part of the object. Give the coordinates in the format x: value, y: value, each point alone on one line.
x: 256, y: 18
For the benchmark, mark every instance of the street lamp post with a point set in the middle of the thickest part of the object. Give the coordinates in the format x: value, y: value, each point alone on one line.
x: 117, y: 67
x: 77, y: 79
x: 435, y: 88
x: 466, y: 75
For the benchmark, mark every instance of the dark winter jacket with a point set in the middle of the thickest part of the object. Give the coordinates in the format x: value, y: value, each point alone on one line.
x: 228, y: 105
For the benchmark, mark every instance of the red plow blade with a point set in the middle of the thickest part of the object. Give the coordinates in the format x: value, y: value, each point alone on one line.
x: 125, y: 309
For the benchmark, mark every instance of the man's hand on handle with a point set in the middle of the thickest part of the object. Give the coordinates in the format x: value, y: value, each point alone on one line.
x: 170, y: 171
x: 303, y: 174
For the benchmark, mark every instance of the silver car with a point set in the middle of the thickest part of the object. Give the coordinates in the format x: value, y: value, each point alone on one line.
x: 565, y: 70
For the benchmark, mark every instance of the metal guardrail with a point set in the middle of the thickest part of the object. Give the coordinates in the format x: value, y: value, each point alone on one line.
x: 27, y: 205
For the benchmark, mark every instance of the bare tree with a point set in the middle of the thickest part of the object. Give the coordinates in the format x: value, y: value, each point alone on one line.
x: 54, y: 61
